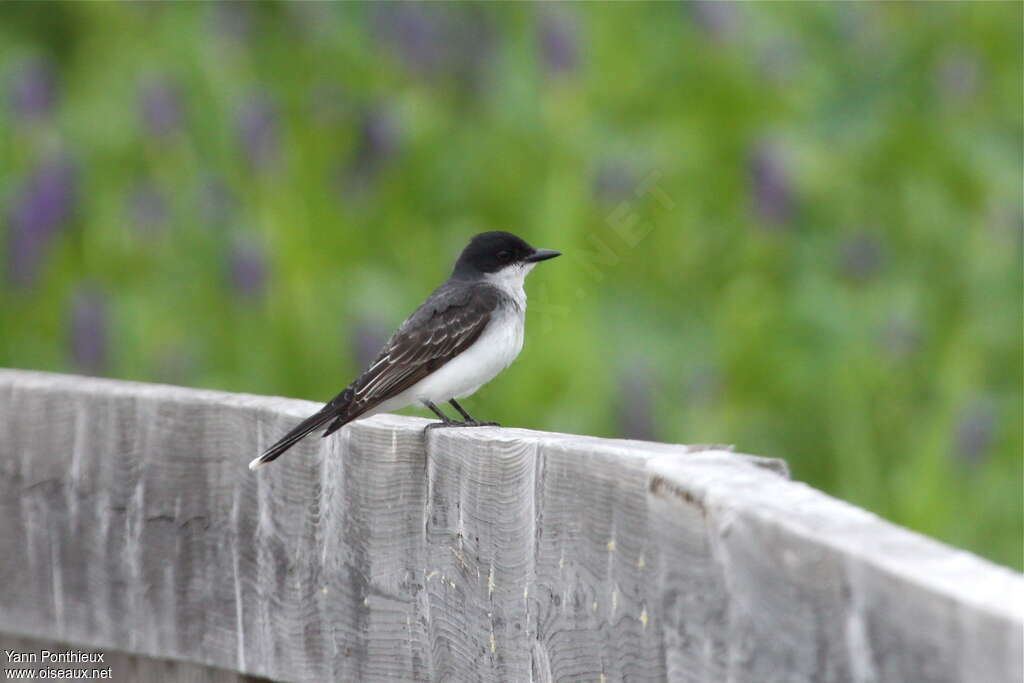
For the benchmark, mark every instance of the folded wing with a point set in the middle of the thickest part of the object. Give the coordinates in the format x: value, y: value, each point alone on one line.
x: 439, y: 330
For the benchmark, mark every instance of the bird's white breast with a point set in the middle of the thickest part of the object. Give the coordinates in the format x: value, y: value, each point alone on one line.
x: 498, y: 345
x: 495, y: 349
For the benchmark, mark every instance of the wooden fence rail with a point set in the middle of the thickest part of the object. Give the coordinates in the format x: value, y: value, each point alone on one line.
x: 129, y: 522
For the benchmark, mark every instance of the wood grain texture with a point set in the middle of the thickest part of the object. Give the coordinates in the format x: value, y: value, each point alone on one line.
x: 130, y: 522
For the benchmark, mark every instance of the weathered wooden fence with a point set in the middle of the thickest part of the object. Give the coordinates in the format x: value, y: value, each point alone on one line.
x: 129, y: 522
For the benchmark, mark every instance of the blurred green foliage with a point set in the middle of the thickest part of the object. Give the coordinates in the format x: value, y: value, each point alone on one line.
x: 792, y: 227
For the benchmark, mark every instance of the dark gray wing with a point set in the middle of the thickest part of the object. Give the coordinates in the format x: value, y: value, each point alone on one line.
x: 443, y: 327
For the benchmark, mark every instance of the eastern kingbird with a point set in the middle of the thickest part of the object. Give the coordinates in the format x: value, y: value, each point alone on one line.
x: 466, y: 332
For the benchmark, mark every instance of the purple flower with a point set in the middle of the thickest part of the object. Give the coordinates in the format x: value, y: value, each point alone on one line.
x: 247, y: 267
x: 901, y: 337
x: 88, y: 335
x: 312, y: 20
x: 614, y: 182
x: 704, y: 385
x: 472, y: 42
x: 232, y: 20
x: 1014, y: 224
x: 958, y: 74
x: 258, y: 132
x: 216, y: 203
x: 975, y: 431
x: 430, y: 39
x: 33, y: 90
x: 378, y: 140
x: 861, y: 257
x: 328, y: 104
x: 636, y: 411
x: 367, y: 339
x: 415, y: 31
x: 160, y: 107
x: 43, y: 205
x: 147, y: 206
x: 175, y: 365
x: 778, y: 60
x: 770, y: 186
x: 1006, y: 222
x: 717, y: 18
x: 558, y: 42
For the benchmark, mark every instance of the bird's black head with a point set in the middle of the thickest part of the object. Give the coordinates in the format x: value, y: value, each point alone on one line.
x: 490, y: 252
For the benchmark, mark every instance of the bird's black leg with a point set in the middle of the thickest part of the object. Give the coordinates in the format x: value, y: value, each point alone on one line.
x: 448, y: 422
x: 437, y: 411
x: 470, y: 422
x: 462, y: 411
x: 445, y: 420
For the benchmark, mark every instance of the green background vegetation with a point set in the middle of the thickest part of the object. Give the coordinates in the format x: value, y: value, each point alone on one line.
x: 792, y: 227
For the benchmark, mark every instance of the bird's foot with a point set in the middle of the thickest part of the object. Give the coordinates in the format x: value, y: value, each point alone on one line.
x: 456, y: 423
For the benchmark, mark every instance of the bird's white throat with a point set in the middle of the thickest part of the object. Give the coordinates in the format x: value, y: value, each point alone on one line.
x: 510, y: 281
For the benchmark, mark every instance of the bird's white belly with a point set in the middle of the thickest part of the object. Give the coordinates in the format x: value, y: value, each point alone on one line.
x: 491, y: 353
x: 494, y: 351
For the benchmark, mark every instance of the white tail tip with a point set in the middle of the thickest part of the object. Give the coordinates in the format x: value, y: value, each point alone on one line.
x: 256, y: 463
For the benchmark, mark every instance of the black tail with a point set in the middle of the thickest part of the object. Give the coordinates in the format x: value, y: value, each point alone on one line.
x: 335, y: 410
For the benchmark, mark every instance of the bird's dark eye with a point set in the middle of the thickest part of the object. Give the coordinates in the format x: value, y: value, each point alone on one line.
x: 504, y: 256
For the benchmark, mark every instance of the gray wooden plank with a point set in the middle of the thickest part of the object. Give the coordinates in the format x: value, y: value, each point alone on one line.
x: 384, y: 553
x: 122, y: 666
x: 784, y: 583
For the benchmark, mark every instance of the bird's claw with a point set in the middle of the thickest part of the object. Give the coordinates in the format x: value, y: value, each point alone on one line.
x: 455, y: 423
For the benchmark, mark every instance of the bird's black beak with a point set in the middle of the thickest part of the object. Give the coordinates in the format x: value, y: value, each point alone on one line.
x: 542, y: 255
